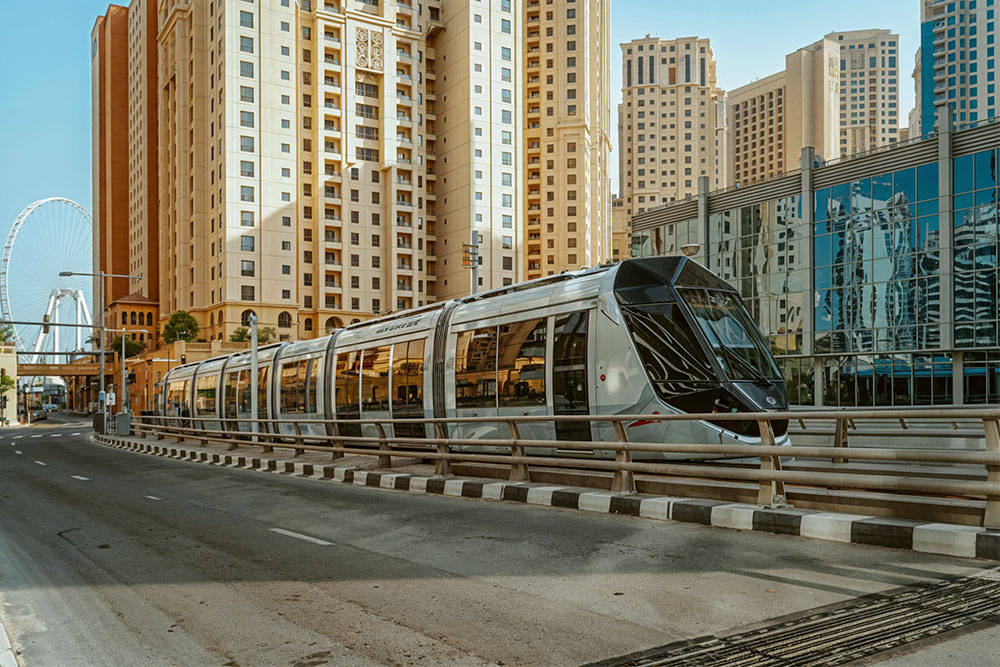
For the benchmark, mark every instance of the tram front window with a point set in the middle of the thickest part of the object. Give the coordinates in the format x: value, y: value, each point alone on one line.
x: 734, y: 339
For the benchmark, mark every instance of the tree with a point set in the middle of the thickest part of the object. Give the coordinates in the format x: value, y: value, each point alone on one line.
x: 242, y: 335
x: 181, y: 326
x: 7, y: 383
x: 6, y: 333
x: 132, y: 347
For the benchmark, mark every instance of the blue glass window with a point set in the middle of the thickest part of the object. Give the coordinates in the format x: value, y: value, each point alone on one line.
x: 882, y: 190
x: 905, y: 184
x: 986, y: 169
x: 927, y: 181
x: 821, y: 206
x: 963, y: 175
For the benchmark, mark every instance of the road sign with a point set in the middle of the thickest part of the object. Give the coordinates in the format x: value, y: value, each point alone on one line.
x: 110, y: 398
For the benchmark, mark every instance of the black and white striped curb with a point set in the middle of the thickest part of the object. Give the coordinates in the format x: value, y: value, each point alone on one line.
x: 937, y: 538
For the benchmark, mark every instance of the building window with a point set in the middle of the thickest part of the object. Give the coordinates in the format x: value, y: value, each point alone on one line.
x: 246, y: 243
x: 247, y: 268
x: 246, y: 94
x: 246, y: 19
x: 246, y: 294
x: 246, y: 169
x: 246, y: 192
x: 246, y: 44
x: 246, y: 144
x: 246, y: 69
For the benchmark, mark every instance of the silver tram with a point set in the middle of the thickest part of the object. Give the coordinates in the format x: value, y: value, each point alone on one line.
x: 655, y: 335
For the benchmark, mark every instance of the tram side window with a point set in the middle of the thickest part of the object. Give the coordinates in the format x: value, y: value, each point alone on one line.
x: 521, y: 363
x: 230, y: 394
x: 408, y: 387
x: 667, y: 346
x: 375, y: 380
x: 261, y: 393
x: 346, y: 391
x: 476, y: 369
x: 177, y: 399
x: 204, y: 395
x: 569, y: 375
x: 290, y: 388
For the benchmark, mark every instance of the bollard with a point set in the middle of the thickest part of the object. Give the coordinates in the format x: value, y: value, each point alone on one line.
x: 518, y: 471
x: 623, y: 481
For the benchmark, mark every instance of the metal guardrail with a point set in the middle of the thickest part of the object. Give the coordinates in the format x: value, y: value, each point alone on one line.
x: 514, y: 450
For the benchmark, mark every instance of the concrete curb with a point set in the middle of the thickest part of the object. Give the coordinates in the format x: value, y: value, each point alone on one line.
x: 7, y: 656
x: 936, y: 538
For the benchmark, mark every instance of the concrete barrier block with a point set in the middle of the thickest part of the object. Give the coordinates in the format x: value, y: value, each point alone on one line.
x: 733, y: 516
x: 541, y: 495
x: 948, y: 539
x: 655, y: 508
x: 453, y: 487
x: 595, y: 502
x: 829, y: 526
x: 493, y: 491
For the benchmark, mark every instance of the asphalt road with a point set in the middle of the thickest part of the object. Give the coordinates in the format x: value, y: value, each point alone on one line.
x: 116, y: 558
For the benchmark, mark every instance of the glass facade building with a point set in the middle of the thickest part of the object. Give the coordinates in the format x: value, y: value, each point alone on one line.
x: 875, y: 279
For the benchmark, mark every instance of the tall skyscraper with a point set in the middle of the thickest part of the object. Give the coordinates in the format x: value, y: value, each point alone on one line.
x: 869, y: 89
x: 567, y: 101
x: 774, y: 117
x: 143, y: 167
x: 957, y: 61
x: 671, y: 128
x: 109, y: 57
x: 318, y: 163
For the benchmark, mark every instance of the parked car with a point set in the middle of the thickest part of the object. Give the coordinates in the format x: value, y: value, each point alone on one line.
x: 50, y: 407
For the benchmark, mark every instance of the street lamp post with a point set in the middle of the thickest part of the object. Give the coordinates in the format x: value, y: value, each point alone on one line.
x: 100, y: 314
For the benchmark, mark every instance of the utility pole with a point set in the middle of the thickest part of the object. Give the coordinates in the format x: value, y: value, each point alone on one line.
x: 253, y: 375
x: 470, y: 259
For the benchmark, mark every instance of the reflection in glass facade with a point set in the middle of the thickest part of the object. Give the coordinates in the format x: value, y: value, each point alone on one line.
x: 874, y: 254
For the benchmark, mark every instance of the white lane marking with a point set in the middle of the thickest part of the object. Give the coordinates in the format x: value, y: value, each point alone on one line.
x: 36, y: 436
x: 41, y: 463
x: 18, y: 436
x: 17, y: 451
x: 82, y: 479
x: 154, y: 498
x: 77, y: 433
x: 56, y: 435
x: 307, y: 538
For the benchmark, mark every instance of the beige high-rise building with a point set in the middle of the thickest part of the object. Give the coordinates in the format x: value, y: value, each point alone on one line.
x: 109, y: 55
x: 143, y: 168
x: 299, y: 149
x: 671, y: 122
x: 567, y: 100
x: 869, y: 89
x: 621, y: 231
x: 774, y: 117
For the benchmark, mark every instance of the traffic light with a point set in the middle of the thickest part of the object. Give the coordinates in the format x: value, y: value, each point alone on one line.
x: 184, y: 359
x: 45, y: 326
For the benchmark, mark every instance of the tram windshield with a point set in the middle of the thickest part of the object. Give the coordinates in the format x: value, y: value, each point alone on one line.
x: 734, y: 339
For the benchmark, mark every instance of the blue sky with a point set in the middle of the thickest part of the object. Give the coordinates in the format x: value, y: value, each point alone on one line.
x: 45, y: 139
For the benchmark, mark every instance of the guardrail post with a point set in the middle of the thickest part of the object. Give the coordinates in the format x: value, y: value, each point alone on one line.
x: 623, y: 481
x: 770, y: 493
x: 384, y: 460
x: 298, y: 439
x: 840, y: 437
x: 991, y: 517
x: 518, y: 471
x: 442, y: 467
x: 263, y: 436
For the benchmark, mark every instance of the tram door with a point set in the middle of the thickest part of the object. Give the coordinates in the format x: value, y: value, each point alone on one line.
x: 570, y: 378
x: 476, y: 383
x: 521, y: 352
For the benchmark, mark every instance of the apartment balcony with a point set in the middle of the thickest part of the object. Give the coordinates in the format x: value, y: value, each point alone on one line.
x: 333, y: 173
x: 940, y: 75
x: 333, y: 106
x: 332, y: 262
x: 332, y: 217
x: 405, y: 55
x: 534, y: 266
x: 401, y: 159
x: 404, y: 6
x: 404, y: 267
x: 431, y: 175
x: 430, y: 113
x: 534, y: 237
x: 333, y: 39
x: 332, y: 8
x: 403, y: 118
x: 533, y: 19
x: 404, y: 287
x: 332, y: 239
x: 534, y: 207
x: 403, y: 245
x: 534, y: 252
x: 332, y: 196
x: 331, y: 60
x: 404, y: 204
x: 400, y: 222
x: 403, y: 181
x: 403, y: 139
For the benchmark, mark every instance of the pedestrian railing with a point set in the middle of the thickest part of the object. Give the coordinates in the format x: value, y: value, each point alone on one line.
x: 521, y: 453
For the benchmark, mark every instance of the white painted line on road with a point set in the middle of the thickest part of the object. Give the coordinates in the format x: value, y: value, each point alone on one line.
x: 36, y: 436
x: 56, y: 435
x: 307, y: 538
x: 17, y: 451
x: 82, y: 479
x: 154, y: 498
x: 18, y: 436
x: 41, y: 463
x: 77, y: 433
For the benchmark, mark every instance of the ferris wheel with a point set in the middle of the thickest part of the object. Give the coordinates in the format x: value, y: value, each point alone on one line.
x: 48, y: 237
